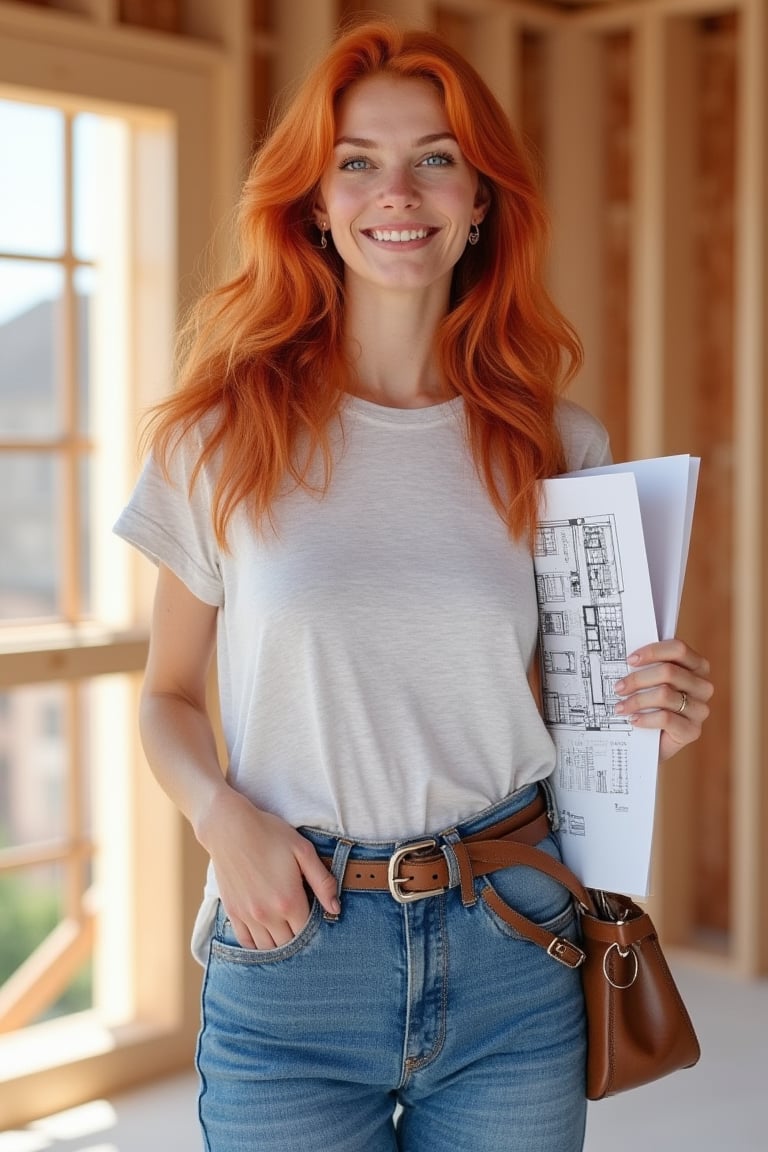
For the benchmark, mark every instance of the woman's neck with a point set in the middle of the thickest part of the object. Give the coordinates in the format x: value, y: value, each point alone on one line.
x: 389, y: 338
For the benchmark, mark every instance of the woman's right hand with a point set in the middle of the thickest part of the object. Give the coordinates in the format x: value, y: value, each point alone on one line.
x: 262, y: 864
x: 263, y: 868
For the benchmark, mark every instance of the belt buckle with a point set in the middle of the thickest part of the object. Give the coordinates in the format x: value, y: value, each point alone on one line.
x: 393, y: 880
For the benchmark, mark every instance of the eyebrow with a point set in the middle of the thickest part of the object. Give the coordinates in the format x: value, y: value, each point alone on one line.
x: 361, y: 142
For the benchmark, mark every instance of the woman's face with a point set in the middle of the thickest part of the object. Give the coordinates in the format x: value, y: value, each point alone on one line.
x: 398, y: 195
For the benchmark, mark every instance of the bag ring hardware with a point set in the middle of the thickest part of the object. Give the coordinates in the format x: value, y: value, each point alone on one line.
x: 623, y: 952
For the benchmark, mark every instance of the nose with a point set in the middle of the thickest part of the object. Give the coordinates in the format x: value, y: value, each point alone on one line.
x: 398, y: 188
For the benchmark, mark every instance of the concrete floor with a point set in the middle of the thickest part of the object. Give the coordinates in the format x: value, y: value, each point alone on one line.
x: 719, y: 1106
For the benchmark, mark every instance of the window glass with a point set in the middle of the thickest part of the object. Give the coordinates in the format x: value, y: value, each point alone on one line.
x: 32, y: 184
x: 32, y: 904
x: 30, y: 572
x: 30, y: 335
x: 45, y: 799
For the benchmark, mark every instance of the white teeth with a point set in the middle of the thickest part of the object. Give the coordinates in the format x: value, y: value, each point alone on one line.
x: 399, y: 237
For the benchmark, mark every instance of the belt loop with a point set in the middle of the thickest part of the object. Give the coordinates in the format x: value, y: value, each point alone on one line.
x: 552, y: 809
x: 459, y: 867
x: 338, y: 864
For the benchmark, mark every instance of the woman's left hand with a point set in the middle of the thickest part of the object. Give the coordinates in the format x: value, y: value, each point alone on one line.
x: 667, y: 688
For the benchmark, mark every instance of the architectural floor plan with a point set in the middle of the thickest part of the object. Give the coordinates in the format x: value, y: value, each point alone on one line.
x: 583, y: 647
x: 595, y: 607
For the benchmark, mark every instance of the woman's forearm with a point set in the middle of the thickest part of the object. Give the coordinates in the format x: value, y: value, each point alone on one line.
x: 181, y: 750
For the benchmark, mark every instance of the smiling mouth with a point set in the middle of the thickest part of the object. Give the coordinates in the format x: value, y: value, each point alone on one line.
x: 399, y: 236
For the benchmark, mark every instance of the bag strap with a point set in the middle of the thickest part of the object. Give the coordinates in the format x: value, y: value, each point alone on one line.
x: 495, y: 854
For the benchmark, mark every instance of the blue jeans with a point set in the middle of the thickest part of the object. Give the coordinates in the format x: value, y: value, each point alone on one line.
x: 436, y: 1007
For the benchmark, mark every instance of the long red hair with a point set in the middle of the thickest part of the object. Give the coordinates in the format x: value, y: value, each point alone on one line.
x: 262, y: 355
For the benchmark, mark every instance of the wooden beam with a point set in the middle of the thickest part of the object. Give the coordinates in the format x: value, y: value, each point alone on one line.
x: 574, y: 176
x: 493, y: 50
x: 71, y: 657
x: 46, y: 973
x: 673, y: 856
x: 302, y: 33
x: 750, y: 807
x: 647, y: 294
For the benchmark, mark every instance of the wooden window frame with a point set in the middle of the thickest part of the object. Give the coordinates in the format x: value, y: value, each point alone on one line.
x: 52, y: 1066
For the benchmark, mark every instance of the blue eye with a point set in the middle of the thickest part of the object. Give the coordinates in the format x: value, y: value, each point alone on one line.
x: 354, y: 164
x: 438, y: 160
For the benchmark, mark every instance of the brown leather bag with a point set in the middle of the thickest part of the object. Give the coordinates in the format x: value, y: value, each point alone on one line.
x: 637, y: 1025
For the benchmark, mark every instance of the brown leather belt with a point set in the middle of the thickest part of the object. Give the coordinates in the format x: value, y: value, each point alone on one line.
x: 420, y: 869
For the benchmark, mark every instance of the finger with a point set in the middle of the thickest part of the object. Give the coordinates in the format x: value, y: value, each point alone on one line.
x: 676, y: 678
x: 244, y: 935
x: 268, y: 930
x: 319, y: 879
x: 277, y: 932
x: 676, y: 731
x: 665, y: 697
x: 670, y: 651
x: 284, y: 915
x: 682, y: 726
x: 286, y: 931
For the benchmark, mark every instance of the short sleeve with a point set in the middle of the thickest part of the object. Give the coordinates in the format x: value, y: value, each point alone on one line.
x: 172, y: 525
x: 585, y: 440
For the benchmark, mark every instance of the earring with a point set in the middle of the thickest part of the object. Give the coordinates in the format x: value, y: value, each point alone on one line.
x: 474, y: 233
x: 323, y: 237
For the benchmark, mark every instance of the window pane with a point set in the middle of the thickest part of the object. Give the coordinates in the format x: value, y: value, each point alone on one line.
x: 30, y: 907
x: 76, y: 997
x: 29, y: 569
x: 30, y: 342
x: 32, y: 186
x: 34, y: 763
x: 32, y: 904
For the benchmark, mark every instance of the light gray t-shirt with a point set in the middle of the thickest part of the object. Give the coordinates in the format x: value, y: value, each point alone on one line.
x: 372, y: 652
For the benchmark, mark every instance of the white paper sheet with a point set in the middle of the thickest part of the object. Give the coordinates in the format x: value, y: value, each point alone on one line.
x: 666, y: 490
x: 609, y: 561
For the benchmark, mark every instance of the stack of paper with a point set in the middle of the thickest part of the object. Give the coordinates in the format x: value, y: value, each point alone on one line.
x: 609, y: 558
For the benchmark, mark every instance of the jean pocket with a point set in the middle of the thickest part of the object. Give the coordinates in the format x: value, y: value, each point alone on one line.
x: 531, y: 893
x: 226, y: 947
